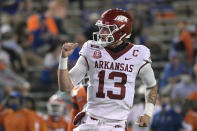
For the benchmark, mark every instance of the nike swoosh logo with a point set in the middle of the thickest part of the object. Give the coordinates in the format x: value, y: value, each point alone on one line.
x: 128, y: 58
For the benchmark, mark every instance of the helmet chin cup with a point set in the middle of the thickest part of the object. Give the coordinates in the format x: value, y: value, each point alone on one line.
x: 108, y: 40
x: 103, y: 43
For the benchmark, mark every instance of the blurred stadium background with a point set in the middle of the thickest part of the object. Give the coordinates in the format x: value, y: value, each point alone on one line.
x: 32, y: 32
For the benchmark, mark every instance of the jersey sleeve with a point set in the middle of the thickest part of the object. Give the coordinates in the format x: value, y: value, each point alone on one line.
x: 78, y: 72
x: 84, y: 49
x: 146, y: 55
x: 146, y: 72
x: 147, y: 76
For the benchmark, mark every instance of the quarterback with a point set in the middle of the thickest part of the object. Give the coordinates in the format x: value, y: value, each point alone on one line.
x: 112, y: 65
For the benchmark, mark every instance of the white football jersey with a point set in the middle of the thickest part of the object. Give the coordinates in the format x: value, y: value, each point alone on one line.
x: 112, y: 78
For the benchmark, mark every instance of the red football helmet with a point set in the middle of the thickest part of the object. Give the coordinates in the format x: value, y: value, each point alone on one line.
x: 118, y: 25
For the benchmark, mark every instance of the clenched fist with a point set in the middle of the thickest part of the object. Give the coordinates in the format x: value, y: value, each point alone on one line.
x: 67, y: 49
x: 143, y: 121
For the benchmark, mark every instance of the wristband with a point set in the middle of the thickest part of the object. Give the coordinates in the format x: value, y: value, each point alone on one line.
x: 149, y: 108
x: 63, y: 63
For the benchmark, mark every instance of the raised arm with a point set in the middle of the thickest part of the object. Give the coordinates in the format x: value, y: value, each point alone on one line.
x: 64, y: 81
x: 68, y: 79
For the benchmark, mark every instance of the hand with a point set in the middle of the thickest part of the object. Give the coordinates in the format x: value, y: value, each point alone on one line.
x: 143, y: 121
x: 68, y: 49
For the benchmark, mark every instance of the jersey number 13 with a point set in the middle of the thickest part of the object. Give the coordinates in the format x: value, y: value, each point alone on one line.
x: 121, y: 85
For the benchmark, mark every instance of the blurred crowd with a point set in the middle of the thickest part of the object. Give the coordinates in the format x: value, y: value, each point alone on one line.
x: 30, y: 41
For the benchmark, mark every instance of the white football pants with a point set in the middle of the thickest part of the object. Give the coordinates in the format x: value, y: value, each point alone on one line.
x: 89, y: 124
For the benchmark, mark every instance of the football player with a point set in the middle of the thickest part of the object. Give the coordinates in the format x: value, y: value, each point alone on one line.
x: 38, y: 121
x: 4, y: 111
x: 55, y: 120
x: 112, y: 65
x: 19, y: 118
x: 79, y: 99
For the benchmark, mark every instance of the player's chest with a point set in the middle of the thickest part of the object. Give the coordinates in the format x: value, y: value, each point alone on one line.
x: 111, y: 61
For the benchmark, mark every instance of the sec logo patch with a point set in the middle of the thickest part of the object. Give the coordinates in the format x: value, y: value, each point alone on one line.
x: 97, y: 54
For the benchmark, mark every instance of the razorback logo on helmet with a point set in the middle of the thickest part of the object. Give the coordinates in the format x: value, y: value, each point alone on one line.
x: 121, y: 18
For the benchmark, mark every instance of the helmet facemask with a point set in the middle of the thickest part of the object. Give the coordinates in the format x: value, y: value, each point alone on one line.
x: 105, y: 39
x: 55, y: 108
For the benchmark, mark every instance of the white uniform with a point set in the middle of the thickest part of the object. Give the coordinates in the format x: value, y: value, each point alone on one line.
x: 112, y: 79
